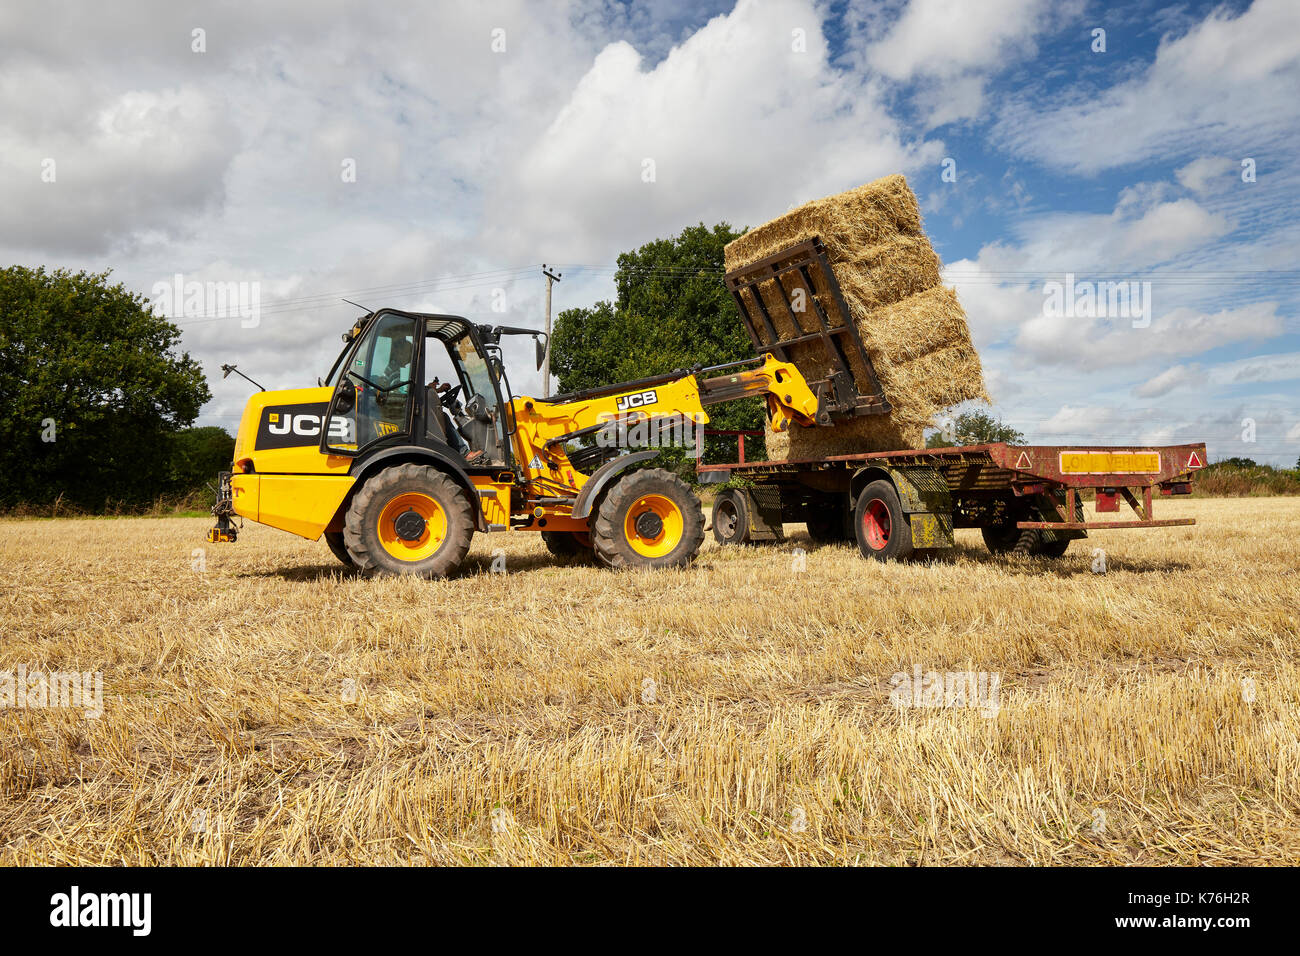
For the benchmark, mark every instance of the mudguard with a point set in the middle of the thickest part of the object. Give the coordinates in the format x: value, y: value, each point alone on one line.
x: 602, y: 476
x: 439, y: 455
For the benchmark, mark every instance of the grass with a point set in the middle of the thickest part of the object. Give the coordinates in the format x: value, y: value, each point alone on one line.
x: 1228, y: 480
x: 312, y: 716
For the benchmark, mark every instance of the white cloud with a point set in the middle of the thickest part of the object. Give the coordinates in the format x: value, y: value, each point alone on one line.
x: 1167, y: 229
x: 1090, y: 343
x: 1200, y: 175
x: 1140, y: 233
x: 1228, y: 83
x: 947, y: 38
x: 143, y: 161
x: 1280, y: 367
x: 948, y: 49
x: 737, y: 124
x: 1174, y: 377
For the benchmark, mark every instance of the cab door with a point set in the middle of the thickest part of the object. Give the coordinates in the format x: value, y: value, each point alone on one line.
x: 373, y: 400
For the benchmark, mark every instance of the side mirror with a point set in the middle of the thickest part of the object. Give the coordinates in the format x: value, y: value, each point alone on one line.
x: 540, y: 342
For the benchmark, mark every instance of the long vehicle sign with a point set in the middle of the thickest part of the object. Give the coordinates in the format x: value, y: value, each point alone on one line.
x: 1110, y: 462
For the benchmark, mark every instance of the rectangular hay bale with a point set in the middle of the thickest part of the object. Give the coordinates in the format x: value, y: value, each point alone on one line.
x: 912, y: 326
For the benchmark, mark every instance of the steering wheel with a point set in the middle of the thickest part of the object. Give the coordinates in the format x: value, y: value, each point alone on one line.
x: 449, y: 397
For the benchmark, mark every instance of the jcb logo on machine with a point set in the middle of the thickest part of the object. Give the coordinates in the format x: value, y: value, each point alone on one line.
x: 298, y: 426
x: 638, y: 400
x: 386, y: 428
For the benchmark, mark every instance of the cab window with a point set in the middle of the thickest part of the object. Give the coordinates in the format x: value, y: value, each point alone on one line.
x: 372, y: 400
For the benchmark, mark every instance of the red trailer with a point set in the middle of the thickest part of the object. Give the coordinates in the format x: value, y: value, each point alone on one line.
x: 1024, y: 498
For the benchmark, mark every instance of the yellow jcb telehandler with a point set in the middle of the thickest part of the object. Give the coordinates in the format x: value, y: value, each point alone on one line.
x: 414, y: 442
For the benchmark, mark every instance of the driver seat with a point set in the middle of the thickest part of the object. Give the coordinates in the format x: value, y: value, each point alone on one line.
x: 437, y: 423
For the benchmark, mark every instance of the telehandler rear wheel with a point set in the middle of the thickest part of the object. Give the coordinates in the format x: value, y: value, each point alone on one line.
x: 649, y: 519
x: 409, y: 519
x: 339, y: 548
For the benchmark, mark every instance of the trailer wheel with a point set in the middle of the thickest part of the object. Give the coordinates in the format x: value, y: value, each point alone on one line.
x: 731, y: 518
x: 1008, y: 539
x: 880, y: 524
x: 334, y: 539
x: 409, y: 519
x: 649, y: 519
x: 826, y: 525
x: 1053, y: 549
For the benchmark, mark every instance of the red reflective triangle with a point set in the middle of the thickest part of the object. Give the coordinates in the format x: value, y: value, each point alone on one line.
x: 1023, y: 463
x: 1194, y: 461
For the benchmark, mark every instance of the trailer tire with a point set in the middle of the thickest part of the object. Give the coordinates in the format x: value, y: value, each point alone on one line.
x: 1008, y: 539
x: 1053, y: 549
x: 880, y: 524
x: 650, y: 518
x: 1027, y: 543
x: 339, y: 548
x: 730, y: 518
x: 826, y: 525
x: 381, y: 538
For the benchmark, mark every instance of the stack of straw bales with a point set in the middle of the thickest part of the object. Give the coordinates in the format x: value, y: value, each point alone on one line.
x: 911, y: 325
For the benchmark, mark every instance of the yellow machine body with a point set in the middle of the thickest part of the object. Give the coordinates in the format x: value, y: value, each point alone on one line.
x: 281, y: 478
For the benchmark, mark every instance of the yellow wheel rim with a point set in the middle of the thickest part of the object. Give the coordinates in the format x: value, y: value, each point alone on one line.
x: 653, y: 526
x: 400, y: 539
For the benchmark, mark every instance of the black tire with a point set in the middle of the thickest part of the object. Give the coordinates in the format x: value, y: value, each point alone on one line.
x: 1027, y: 542
x: 731, y: 518
x: 1004, y: 539
x: 1053, y: 549
x: 826, y: 524
x: 625, y: 534
x: 334, y: 539
x: 1057, y: 548
x: 568, y: 544
x: 880, y: 524
x: 386, y: 491
x: 1000, y: 538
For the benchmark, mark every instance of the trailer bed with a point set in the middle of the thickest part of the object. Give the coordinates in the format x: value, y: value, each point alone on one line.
x: 1007, y: 489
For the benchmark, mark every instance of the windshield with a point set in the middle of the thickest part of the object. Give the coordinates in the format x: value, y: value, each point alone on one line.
x: 479, y: 380
x: 334, y: 369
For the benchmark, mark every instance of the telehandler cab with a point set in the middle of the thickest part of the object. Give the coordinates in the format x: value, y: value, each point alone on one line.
x: 415, y: 441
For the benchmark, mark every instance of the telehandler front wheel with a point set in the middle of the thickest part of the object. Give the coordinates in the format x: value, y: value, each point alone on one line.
x: 409, y: 519
x: 567, y: 545
x: 648, y: 519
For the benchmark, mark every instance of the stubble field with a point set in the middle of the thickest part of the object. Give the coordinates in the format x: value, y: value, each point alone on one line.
x: 262, y: 705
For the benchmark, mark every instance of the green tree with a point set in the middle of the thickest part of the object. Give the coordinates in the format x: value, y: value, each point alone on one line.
x: 91, y: 390
x: 671, y: 311
x: 197, y: 455
x: 974, y: 428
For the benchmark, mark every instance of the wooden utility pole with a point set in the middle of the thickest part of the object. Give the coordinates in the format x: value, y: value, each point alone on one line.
x: 551, y: 279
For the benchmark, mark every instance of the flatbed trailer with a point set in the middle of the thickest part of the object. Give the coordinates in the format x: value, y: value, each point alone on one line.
x: 1026, y: 499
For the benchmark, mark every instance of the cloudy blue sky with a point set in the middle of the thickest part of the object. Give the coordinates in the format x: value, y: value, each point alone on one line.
x: 489, y: 137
